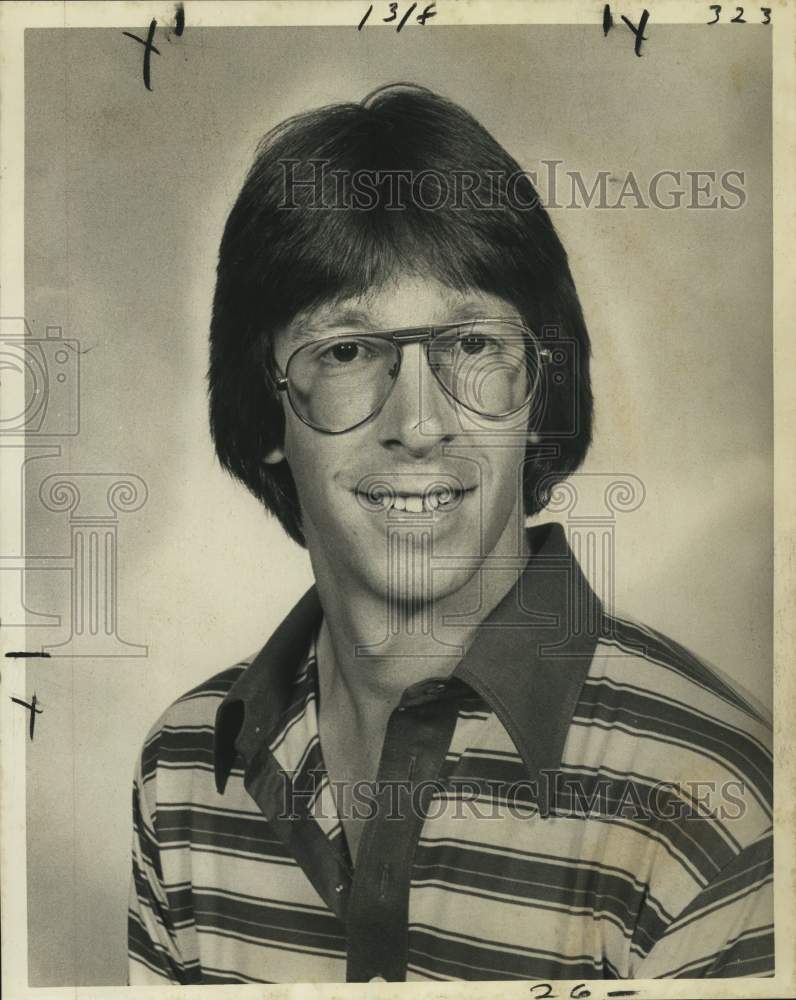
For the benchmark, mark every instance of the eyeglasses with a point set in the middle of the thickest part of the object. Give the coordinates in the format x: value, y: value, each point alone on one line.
x: 491, y: 367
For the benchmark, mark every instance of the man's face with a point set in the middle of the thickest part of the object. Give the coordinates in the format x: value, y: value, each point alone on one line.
x: 420, y: 436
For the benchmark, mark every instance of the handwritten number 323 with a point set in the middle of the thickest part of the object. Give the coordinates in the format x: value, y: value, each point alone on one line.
x: 739, y: 18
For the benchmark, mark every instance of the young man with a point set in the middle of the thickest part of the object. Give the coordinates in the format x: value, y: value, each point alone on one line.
x: 447, y: 762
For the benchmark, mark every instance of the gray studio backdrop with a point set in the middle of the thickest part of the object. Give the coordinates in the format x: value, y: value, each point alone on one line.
x: 126, y: 195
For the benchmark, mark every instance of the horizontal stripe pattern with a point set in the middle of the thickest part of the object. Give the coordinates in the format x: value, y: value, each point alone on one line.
x: 653, y: 858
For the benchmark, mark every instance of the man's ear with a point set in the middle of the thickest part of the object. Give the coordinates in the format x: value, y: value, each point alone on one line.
x: 274, y: 457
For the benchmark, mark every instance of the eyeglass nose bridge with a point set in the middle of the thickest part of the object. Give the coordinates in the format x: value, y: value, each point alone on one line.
x: 413, y: 336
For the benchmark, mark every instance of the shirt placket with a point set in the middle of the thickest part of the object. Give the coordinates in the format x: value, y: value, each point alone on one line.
x: 417, y: 738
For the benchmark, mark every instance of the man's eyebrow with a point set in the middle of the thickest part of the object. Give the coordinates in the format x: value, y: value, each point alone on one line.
x: 351, y: 318
x: 473, y: 310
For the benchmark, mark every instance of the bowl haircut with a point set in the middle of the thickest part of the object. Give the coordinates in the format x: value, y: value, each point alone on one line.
x: 340, y: 200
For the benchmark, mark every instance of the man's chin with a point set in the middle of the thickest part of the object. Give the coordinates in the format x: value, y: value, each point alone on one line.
x: 410, y: 578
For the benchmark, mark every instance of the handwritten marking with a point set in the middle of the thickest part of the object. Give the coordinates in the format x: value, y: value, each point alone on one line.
x: 406, y: 17
x: 22, y: 654
x: 544, y: 991
x: 427, y: 13
x: 149, y: 48
x: 608, y: 23
x: 149, y: 41
x: 34, y: 711
x: 638, y: 32
x: 739, y: 18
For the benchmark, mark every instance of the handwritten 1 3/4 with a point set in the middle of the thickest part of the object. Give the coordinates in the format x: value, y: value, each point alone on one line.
x: 148, y: 42
x: 428, y: 11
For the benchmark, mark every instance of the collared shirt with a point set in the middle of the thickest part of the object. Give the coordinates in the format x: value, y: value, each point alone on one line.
x: 581, y: 799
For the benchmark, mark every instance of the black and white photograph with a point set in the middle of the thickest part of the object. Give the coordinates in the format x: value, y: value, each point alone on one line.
x: 397, y: 525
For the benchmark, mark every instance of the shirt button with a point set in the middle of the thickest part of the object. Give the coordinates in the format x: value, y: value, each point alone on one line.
x: 378, y: 979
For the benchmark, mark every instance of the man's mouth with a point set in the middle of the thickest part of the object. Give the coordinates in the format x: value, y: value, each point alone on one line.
x: 378, y: 495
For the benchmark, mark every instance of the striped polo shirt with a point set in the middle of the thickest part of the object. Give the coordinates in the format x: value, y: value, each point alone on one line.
x: 581, y: 798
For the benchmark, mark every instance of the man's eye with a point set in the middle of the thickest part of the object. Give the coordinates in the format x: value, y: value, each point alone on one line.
x: 352, y: 354
x: 473, y: 345
x: 344, y: 353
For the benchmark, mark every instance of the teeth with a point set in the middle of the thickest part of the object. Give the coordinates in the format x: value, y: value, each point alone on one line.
x: 419, y: 504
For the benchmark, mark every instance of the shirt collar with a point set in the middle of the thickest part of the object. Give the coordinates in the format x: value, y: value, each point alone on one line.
x: 528, y: 661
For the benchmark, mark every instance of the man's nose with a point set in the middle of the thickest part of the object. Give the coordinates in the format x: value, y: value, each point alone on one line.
x: 418, y: 414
